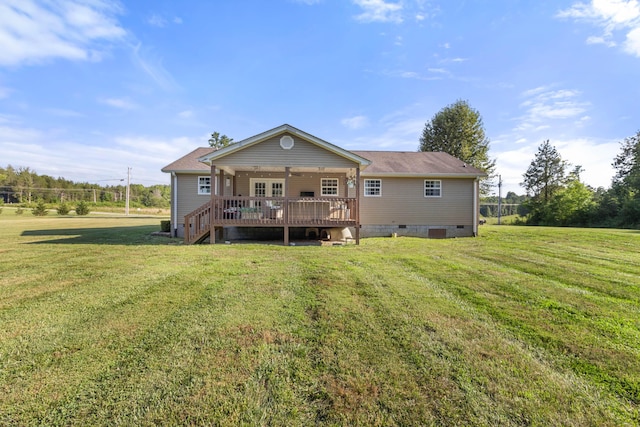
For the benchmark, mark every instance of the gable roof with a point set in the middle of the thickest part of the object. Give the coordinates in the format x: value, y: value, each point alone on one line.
x: 189, y: 162
x: 240, y: 145
x: 377, y: 163
x: 417, y: 163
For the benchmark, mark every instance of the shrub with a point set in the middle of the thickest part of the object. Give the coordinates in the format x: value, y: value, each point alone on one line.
x: 63, y: 209
x: 40, y: 209
x: 19, y: 210
x: 165, y: 225
x: 82, y: 209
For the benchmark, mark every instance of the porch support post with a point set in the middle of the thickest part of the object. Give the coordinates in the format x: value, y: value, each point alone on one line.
x: 212, y: 228
x: 285, y: 208
x: 358, y: 205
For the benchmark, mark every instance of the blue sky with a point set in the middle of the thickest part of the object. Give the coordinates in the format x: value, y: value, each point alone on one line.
x: 91, y: 87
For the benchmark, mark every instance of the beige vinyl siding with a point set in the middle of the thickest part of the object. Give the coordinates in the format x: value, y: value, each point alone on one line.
x: 269, y: 153
x: 403, y: 202
x: 298, y: 182
x: 188, y: 197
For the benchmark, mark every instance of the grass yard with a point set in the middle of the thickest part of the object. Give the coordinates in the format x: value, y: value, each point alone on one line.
x: 103, y: 324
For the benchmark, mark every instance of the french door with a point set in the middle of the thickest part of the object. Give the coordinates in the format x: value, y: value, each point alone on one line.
x: 261, y: 187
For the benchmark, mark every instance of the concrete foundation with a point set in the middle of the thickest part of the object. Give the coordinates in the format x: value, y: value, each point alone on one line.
x: 416, y: 231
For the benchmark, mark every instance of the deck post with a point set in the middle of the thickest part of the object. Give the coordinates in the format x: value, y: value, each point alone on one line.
x: 285, y: 208
x: 358, y: 205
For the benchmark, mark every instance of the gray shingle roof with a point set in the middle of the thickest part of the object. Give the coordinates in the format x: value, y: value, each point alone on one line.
x: 382, y: 163
x: 416, y: 163
x: 189, y: 162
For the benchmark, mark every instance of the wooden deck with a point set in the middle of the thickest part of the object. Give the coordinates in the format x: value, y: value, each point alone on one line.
x: 270, y: 212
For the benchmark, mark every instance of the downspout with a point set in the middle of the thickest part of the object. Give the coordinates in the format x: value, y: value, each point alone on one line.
x: 476, y: 207
x: 174, y: 204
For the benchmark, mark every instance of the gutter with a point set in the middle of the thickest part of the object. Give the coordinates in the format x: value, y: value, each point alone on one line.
x: 174, y: 204
x: 476, y: 207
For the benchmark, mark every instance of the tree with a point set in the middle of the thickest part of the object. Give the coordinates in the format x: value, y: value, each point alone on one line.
x: 40, y: 209
x: 63, y: 209
x: 82, y: 208
x: 458, y: 130
x: 572, y: 205
x: 546, y: 173
x: 218, y: 141
x: 627, y: 164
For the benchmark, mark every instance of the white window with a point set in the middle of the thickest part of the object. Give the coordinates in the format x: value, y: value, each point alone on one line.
x: 329, y: 186
x: 204, y: 185
x: 373, y: 187
x: 432, y: 188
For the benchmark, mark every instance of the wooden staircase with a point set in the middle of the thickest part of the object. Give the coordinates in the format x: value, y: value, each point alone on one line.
x: 197, y: 224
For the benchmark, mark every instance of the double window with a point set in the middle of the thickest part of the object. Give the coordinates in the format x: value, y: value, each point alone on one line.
x: 432, y: 188
x: 329, y: 186
x: 373, y: 187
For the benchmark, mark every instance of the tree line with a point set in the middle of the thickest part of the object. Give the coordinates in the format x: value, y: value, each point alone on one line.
x: 555, y: 194
x: 23, y: 185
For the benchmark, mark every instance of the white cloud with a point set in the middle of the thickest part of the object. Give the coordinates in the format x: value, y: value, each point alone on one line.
x: 613, y: 17
x: 104, y: 158
x: 153, y: 67
x: 632, y: 43
x: 544, y: 105
x: 34, y: 31
x: 177, y: 20
x: 121, y: 103
x: 157, y: 21
x: 185, y: 114
x: 60, y: 112
x: 379, y: 11
x: 357, y: 122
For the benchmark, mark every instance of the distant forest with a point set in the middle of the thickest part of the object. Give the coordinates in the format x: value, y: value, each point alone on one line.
x: 23, y: 185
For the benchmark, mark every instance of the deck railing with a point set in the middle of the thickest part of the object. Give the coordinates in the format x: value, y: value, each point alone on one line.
x: 275, y: 211
x: 269, y: 212
x: 197, y: 224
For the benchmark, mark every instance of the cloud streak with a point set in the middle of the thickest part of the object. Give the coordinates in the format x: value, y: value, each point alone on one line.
x: 379, y: 11
x: 33, y: 32
x: 613, y: 17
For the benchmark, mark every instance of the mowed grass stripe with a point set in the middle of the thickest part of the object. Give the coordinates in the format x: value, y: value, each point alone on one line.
x: 541, y: 312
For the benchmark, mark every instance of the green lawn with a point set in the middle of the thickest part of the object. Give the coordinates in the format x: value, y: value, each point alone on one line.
x: 103, y: 324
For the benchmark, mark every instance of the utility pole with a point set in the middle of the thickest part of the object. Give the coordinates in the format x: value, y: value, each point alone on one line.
x: 499, y: 198
x: 126, y: 203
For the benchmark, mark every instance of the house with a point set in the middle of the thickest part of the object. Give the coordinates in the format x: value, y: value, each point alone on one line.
x: 287, y: 183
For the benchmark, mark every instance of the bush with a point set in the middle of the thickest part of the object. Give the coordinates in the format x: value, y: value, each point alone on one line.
x: 19, y: 210
x: 82, y: 209
x: 63, y: 209
x: 40, y: 209
x: 165, y: 225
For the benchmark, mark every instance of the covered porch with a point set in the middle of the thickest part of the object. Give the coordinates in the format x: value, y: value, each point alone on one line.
x: 314, y: 198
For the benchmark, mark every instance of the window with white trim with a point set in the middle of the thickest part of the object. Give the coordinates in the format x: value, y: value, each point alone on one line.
x: 204, y: 185
x: 432, y: 188
x: 373, y: 188
x: 329, y: 186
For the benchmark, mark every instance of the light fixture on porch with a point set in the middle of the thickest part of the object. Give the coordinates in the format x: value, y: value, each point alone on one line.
x: 351, y: 180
